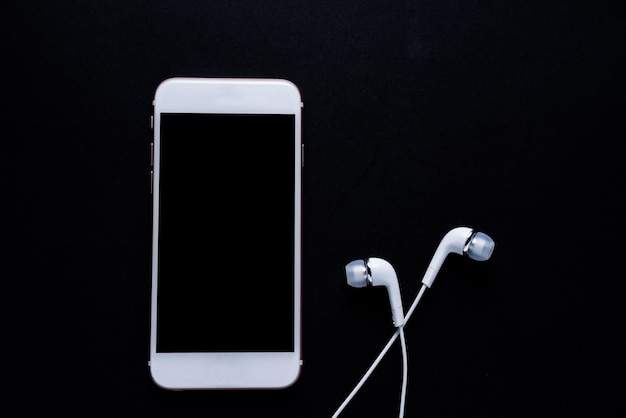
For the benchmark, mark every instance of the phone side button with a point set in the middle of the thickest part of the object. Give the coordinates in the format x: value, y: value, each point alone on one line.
x: 151, y: 166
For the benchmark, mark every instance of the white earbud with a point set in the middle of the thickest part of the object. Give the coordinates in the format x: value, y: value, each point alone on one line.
x: 461, y: 240
x: 378, y: 272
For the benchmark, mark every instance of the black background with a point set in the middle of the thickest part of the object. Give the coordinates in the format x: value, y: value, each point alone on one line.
x: 419, y: 116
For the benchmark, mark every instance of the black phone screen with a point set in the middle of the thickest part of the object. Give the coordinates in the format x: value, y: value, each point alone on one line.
x: 226, y: 233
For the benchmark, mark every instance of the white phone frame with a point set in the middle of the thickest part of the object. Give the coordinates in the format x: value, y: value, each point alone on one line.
x: 180, y: 371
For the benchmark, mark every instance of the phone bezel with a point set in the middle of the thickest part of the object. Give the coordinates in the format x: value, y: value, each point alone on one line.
x: 179, y: 371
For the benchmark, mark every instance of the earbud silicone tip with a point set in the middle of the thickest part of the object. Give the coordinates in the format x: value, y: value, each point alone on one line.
x: 356, y: 273
x: 481, y: 247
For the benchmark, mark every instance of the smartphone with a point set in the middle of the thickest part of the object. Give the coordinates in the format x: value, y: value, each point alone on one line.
x: 226, y: 236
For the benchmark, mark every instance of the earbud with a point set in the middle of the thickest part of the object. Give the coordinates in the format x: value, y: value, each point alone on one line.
x: 377, y: 272
x: 461, y: 240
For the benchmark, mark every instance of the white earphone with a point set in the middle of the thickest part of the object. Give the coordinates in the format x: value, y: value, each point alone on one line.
x: 463, y: 241
x: 378, y: 272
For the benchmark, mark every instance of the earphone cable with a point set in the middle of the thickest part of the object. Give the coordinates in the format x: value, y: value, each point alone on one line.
x: 405, y: 371
x: 382, y: 354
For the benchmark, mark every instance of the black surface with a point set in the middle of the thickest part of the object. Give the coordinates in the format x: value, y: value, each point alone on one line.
x: 419, y: 116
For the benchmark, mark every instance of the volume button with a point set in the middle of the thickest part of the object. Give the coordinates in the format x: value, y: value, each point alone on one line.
x: 151, y: 166
x: 152, y: 153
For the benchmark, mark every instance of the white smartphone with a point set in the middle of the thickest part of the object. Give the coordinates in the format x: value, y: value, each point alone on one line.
x: 226, y: 250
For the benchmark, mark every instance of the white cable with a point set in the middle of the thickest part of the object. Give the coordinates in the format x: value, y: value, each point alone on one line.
x: 382, y: 353
x: 364, y: 378
x: 405, y: 372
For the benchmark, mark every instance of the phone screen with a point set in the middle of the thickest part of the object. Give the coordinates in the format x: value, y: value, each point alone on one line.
x: 226, y: 233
